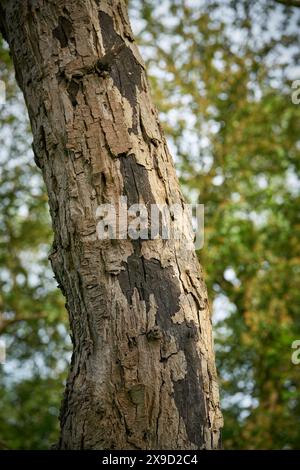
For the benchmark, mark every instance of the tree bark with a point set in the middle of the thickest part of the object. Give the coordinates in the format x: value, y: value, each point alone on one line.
x: 142, y: 372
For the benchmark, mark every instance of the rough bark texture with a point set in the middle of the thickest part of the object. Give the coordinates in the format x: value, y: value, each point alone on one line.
x: 142, y: 373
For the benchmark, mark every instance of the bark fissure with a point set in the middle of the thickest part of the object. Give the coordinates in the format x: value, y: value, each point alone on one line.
x: 63, y: 31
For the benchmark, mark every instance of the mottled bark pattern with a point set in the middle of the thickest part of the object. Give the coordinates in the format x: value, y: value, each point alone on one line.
x: 142, y: 373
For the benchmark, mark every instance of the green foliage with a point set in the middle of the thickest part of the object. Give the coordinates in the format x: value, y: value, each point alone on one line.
x: 29, y: 413
x: 32, y: 314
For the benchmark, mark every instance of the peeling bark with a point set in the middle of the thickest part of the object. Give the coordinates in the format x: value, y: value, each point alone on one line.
x: 142, y: 373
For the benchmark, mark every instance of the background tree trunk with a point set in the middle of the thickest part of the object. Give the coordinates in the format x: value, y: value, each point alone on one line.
x: 142, y: 373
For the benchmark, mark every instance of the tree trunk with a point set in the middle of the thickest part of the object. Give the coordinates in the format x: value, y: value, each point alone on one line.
x: 142, y: 373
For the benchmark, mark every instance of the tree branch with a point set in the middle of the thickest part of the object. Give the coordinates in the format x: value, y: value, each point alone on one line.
x: 4, y: 324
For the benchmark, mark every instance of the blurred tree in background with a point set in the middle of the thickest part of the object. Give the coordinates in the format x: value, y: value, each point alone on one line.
x: 221, y: 74
x: 32, y: 314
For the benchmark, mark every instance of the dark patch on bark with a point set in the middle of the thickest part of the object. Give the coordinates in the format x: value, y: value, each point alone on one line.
x: 104, y: 64
x: 188, y: 392
x: 136, y: 182
x: 149, y: 277
x: 124, y: 69
x: 63, y: 31
x: 72, y: 90
x: 39, y: 147
x: 36, y: 157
